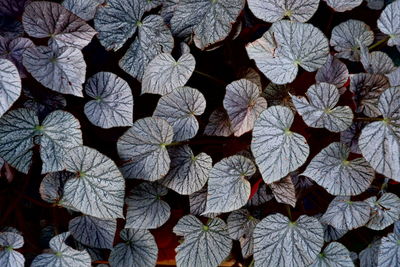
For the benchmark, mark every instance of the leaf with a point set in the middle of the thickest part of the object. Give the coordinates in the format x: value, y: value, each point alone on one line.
x: 284, y: 191
x: 10, y: 85
x: 12, y: 50
x: 46, y: 19
x: 143, y: 148
x: 150, y: 4
x: 277, y: 241
x: 228, y: 188
x: 163, y: 74
x: 334, y: 255
x: 52, y: 186
x: 10, y: 241
x: 139, y: 249
x: 209, y: 21
x: 343, y: 5
x: 204, y: 245
x: 146, y: 210
x: 348, y: 36
x: 278, y: 95
x: 384, y: 211
x: 243, y: 104
x: 389, y: 22
x: 62, y: 255
x: 277, y: 150
x: 12, y: 7
x: 367, y: 89
x: 179, y: 109
x: 198, y: 202
x: 389, y: 251
x: 342, y: 213
x: 278, y: 54
x: 188, y: 173
x: 272, y: 11
x: 93, y: 232
x: 340, y: 176
x: 118, y: 21
x: 113, y: 102
x: 351, y: 135
x: 379, y: 141
x: 98, y: 187
x: 168, y: 9
x: 154, y: 38
x: 331, y: 233
x: 376, y: 62
x: 319, y: 110
x: 376, y: 4
x: 369, y: 256
x: 394, y: 77
x: 334, y: 72
x: 60, y: 69
x: 261, y: 196
x: 219, y: 124
x: 85, y: 9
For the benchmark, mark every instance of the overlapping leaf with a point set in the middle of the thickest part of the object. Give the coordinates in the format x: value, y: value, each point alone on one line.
x: 198, y: 202
x: 179, y: 109
x: 9, y: 241
x: 261, y: 196
x: 12, y: 49
x: 334, y: 255
x: 389, y: 22
x: 146, y: 209
x: 334, y: 72
x: 369, y: 255
x: 277, y: 239
x: 343, y: 5
x: 376, y: 62
x: 85, y: 9
x: 10, y: 85
x: 384, y: 211
x: 351, y: 135
x: 284, y: 191
x: 113, y: 102
x: 277, y: 150
x: 52, y: 186
x: 143, y: 148
x: 219, y: 124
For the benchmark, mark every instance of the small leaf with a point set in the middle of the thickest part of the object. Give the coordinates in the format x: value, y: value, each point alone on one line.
x: 278, y: 95
x: 12, y: 49
x: 98, y: 187
x: 113, y: 102
x: 188, y: 173
x: 389, y: 251
x: 389, y: 22
x: 272, y: 10
x: 93, y: 232
x: 52, y: 186
x: 60, y: 69
x: 139, y: 249
x: 179, y: 109
x: 376, y: 62
x: 277, y: 239
x: 228, y: 188
x: 8, y: 256
x: 204, y: 245
x: 10, y: 85
x: 62, y: 255
x: 334, y: 255
x: 343, y: 5
x: 384, y: 211
x: 284, y: 191
x: 219, y: 124
x: 342, y: 213
x: 332, y: 170
x: 163, y: 74
x: 243, y: 104
x: 348, y: 36
x: 369, y: 256
x: 46, y: 19
x: 334, y: 72
x: 277, y: 150
x: 146, y: 210
x: 85, y: 9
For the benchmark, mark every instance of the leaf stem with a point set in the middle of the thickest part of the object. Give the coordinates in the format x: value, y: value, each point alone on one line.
x: 289, y: 212
x: 368, y: 119
x: 251, y: 263
x: 210, y: 77
x: 384, y: 40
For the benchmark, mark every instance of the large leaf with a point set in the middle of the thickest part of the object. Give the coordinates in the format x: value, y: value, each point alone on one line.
x: 143, y: 148
x: 85, y: 9
x: 47, y: 19
x: 92, y: 231
x: 389, y: 22
x: 52, y: 186
x: 154, y: 38
x: 188, y: 173
x: 8, y: 256
x: 98, y: 187
x: 278, y: 53
x: 379, y: 141
x: 204, y: 245
x: 12, y: 49
x: 146, y: 209
x: 209, y: 21
x: 274, y: 10
x: 342, y: 213
x: 113, y: 102
x: 334, y: 72
x: 284, y: 191
x: 280, y: 242
x: 139, y: 249
x: 118, y: 21
x: 348, y: 36
x: 332, y: 170
x: 343, y: 5
x: 334, y: 255
x: 10, y: 85
x: 243, y: 104
x: 389, y: 251
x: 163, y: 74
x: 228, y: 188
x: 62, y: 255
x: 179, y: 109
x: 277, y: 150
x: 60, y: 69
x: 319, y: 110
x: 384, y: 211
x: 219, y: 124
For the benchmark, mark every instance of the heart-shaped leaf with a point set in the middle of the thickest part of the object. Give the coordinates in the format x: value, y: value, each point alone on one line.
x: 8, y: 256
x: 10, y: 85
x: 384, y: 211
x: 277, y: 150
x: 334, y: 72
x: 389, y: 251
x: 343, y: 5
x: 284, y: 191
x: 12, y: 49
x: 334, y: 255
x: 389, y: 22
x: 85, y: 9
x: 219, y: 124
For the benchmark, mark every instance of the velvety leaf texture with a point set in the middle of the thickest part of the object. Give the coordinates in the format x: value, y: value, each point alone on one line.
x: 10, y: 85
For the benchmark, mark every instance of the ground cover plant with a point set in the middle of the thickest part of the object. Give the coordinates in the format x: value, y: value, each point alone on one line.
x: 203, y: 133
